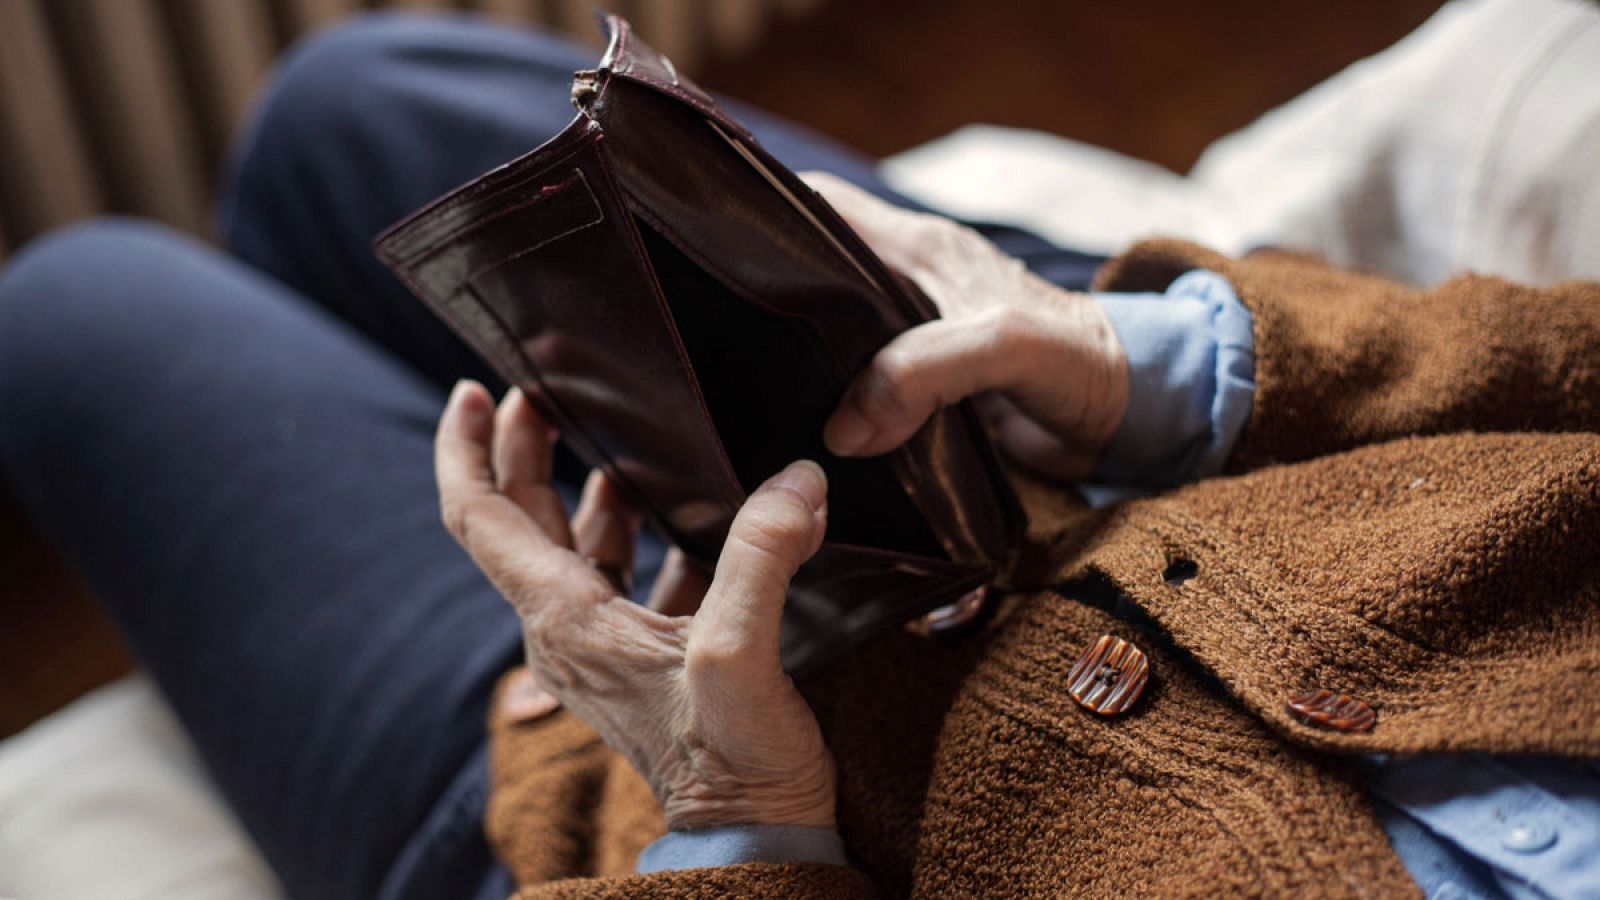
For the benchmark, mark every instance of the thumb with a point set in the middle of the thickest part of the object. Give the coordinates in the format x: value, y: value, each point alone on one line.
x: 779, y: 527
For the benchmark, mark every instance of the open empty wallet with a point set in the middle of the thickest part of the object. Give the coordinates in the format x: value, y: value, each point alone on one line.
x: 689, y: 313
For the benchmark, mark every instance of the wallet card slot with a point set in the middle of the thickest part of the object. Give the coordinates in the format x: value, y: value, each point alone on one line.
x: 457, y: 215
x: 554, y: 212
x: 557, y: 211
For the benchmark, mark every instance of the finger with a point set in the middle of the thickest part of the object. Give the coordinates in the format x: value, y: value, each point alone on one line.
x: 521, y: 699
x: 896, y: 235
x: 524, y: 451
x: 680, y: 586
x: 930, y: 366
x: 779, y: 527
x: 494, y: 530
x: 604, y: 531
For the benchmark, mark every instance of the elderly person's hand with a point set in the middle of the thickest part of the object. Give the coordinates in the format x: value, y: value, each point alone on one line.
x: 1057, y: 371
x: 698, y: 703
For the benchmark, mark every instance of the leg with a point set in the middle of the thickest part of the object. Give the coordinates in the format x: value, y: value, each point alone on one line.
x: 247, y: 485
x: 373, y: 119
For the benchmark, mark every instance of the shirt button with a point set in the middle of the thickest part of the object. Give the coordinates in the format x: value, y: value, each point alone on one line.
x: 1528, y: 836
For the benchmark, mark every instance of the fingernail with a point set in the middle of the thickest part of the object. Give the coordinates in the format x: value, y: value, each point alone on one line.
x: 522, y: 700
x: 846, y: 433
x: 806, y: 479
x: 463, y: 396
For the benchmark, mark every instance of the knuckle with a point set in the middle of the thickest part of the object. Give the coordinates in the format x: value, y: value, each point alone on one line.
x: 944, y: 237
x: 891, y: 385
x: 967, y: 238
x: 1006, y: 326
x: 712, y: 657
x: 456, y: 514
x: 780, y: 525
x: 925, y: 236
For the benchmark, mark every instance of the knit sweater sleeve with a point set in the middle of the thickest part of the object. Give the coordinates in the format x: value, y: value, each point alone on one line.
x: 1346, y: 359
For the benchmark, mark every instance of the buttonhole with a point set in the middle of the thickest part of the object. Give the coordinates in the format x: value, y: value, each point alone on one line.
x: 1179, y: 571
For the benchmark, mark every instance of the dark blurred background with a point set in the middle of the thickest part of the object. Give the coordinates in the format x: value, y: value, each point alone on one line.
x: 128, y: 106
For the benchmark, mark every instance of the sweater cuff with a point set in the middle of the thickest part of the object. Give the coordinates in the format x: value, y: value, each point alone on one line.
x: 1191, y: 367
x: 729, y: 845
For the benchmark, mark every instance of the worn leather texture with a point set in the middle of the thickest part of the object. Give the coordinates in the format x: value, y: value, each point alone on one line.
x: 689, y: 312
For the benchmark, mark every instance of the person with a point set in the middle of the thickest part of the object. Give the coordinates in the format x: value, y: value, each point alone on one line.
x: 239, y: 453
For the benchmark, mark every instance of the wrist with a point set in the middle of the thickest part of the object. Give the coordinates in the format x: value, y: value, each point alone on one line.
x: 1069, y: 333
x: 706, y: 802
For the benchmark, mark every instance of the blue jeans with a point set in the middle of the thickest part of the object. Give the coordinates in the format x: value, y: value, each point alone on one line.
x: 235, y: 450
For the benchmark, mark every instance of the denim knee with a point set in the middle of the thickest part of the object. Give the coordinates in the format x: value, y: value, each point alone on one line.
x: 69, y: 320
x: 342, y: 96
x: 45, y: 282
x: 324, y: 87
x: 68, y: 292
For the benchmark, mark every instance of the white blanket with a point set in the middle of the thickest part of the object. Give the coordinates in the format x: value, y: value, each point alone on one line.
x: 1474, y: 143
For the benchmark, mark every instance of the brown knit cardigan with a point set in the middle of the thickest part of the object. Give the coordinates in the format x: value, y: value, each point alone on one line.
x: 1411, y: 516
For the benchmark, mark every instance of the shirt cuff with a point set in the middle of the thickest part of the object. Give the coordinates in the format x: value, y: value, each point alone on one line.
x: 1191, y: 366
x: 729, y: 845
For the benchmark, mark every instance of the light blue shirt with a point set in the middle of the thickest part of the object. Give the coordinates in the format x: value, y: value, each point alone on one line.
x: 1464, y: 826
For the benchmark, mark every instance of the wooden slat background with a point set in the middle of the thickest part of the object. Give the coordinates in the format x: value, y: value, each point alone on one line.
x: 128, y: 105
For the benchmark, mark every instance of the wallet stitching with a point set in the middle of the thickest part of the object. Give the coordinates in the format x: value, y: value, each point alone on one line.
x: 599, y: 216
x: 453, y: 207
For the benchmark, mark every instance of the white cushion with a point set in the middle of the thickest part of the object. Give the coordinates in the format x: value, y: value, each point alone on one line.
x: 106, y: 799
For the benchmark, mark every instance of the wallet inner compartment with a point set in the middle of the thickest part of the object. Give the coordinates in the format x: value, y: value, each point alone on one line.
x: 769, y: 389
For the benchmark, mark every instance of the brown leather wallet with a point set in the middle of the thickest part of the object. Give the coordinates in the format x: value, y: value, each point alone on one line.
x: 689, y: 313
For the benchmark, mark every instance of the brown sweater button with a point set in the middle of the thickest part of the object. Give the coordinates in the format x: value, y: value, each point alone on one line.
x: 1338, y: 712
x: 1109, y: 677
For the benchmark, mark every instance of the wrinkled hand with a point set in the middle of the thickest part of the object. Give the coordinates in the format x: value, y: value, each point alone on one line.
x: 1057, y: 368
x: 698, y: 703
